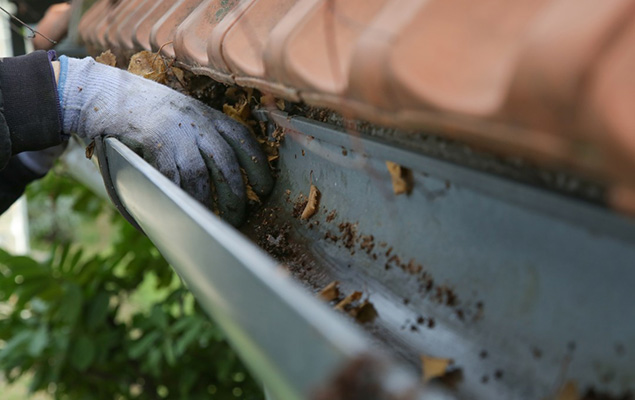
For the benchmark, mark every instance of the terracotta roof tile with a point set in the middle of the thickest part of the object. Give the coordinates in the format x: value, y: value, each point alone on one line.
x: 125, y: 31
x: 104, y: 23
x: 119, y: 18
x: 193, y: 34
x: 90, y: 19
x: 164, y: 29
x: 557, y: 53
x: 550, y: 80
x: 244, y: 44
x: 141, y: 34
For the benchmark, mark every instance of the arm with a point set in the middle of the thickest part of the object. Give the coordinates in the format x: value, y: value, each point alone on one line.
x: 200, y: 149
x: 29, y: 121
x: 54, y: 25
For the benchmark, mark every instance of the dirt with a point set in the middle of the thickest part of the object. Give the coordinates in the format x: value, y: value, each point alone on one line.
x: 593, y: 394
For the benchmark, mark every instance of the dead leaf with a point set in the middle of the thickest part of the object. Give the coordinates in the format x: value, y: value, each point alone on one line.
x: 148, y: 65
x: 312, y: 204
x: 240, y: 112
x: 434, y: 367
x: 90, y: 150
x: 569, y: 391
x: 107, y: 58
x: 179, y: 74
x: 330, y: 291
x: 348, y: 300
x: 402, y: 180
x: 280, y: 104
x: 251, y: 194
x: 278, y: 135
x: 267, y: 101
x: 364, y: 313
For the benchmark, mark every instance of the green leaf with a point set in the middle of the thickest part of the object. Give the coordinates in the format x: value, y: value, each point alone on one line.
x: 38, y: 380
x: 15, y: 344
x: 39, y: 341
x: 142, y: 345
x: 76, y: 258
x: 168, y: 351
x: 29, y: 289
x: 187, y: 338
x: 159, y: 317
x: 98, y: 310
x: 62, y: 261
x: 154, y: 361
x: 71, y: 304
x: 83, y: 353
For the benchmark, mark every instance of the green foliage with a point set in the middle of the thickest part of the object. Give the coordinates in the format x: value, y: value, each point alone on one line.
x: 70, y: 323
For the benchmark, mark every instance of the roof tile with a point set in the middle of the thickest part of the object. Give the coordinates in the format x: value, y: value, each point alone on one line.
x: 164, y: 29
x: 550, y: 80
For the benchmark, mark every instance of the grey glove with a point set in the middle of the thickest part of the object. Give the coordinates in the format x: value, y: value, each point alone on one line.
x: 197, y: 147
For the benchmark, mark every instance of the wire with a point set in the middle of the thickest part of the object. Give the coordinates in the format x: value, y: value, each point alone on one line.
x: 33, y: 31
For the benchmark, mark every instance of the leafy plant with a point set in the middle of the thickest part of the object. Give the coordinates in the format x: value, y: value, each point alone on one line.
x: 70, y: 320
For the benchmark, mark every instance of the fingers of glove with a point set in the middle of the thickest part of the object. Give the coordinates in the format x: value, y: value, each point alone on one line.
x: 229, y: 189
x: 194, y: 174
x: 248, y: 152
x: 155, y: 154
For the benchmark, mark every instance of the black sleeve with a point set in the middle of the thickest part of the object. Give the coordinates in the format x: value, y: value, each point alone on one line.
x: 29, y: 118
x: 30, y: 102
x: 13, y: 180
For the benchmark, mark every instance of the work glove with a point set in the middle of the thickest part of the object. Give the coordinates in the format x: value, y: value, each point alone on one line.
x: 198, y: 148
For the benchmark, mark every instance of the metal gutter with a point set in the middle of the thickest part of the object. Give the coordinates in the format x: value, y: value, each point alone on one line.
x: 539, y: 280
x: 290, y: 340
x: 528, y: 289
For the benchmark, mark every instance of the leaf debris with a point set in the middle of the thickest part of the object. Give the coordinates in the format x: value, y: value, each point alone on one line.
x: 348, y: 300
x: 107, y: 58
x: 251, y: 194
x: 366, y: 312
x: 148, y: 65
x: 568, y: 391
x: 402, y: 181
x: 330, y: 291
x: 90, y: 149
x: 434, y: 367
x: 313, y: 203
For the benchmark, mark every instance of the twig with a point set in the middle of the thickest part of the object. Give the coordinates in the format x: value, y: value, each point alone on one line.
x: 33, y: 31
x: 159, y: 51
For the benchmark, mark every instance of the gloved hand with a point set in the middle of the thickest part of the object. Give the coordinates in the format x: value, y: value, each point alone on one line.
x: 198, y: 148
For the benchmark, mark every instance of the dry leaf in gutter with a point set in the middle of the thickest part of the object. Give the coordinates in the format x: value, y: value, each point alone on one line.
x: 364, y: 313
x: 179, y: 74
x: 402, y: 180
x: 313, y: 203
x: 148, y: 65
x: 330, y: 291
x: 107, y: 58
x: 251, y: 194
x: 569, y: 391
x: 348, y: 300
x: 280, y: 104
x: 240, y: 112
x: 434, y: 367
x: 90, y: 150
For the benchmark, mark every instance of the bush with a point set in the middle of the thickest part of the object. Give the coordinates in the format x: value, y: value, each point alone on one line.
x: 70, y: 320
